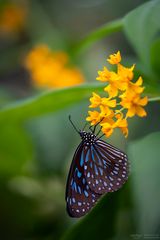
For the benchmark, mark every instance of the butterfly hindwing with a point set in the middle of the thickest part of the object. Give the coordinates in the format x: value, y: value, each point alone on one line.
x: 79, y: 197
x: 106, y: 168
x: 97, y: 168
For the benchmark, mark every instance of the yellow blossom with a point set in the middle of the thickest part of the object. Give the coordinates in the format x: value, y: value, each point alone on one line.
x: 12, y: 18
x: 122, y: 124
x: 134, y: 104
x: 113, y: 86
x: 106, y: 113
x: 123, y: 93
x: 94, y: 117
x: 50, y: 69
x: 108, y: 102
x: 125, y: 73
x: 69, y: 77
x: 104, y: 75
x: 115, y: 82
x: 111, y: 89
x: 135, y: 87
x: 96, y: 101
x: 114, y: 58
x: 107, y: 129
x: 109, y: 126
x: 42, y: 55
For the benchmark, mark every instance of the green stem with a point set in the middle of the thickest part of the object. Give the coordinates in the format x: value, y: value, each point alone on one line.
x: 153, y: 99
x: 98, y: 34
x: 120, y: 110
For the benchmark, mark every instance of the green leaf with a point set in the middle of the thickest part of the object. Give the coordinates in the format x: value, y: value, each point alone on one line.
x: 144, y: 155
x: 15, y: 149
x: 101, y: 216
x: 98, y: 34
x: 155, y: 59
x: 141, y: 26
x: 47, y: 102
x: 109, y: 219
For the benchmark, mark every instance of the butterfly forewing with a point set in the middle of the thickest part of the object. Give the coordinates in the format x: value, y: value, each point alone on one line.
x: 106, y: 168
x: 79, y: 197
x: 97, y: 168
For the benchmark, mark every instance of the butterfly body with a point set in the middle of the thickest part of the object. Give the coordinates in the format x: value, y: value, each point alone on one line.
x: 97, y: 168
x: 88, y: 138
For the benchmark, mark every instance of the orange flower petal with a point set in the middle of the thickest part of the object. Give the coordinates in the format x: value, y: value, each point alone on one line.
x: 94, y: 117
x: 107, y: 131
x: 109, y: 103
x: 139, y: 81
x: 112, y: 91
x: 104, y: 75
x: 114, y: 58
x: 143, y: 101
x: 140, y: 111
x: 131, y: 112
x: 125, y: 131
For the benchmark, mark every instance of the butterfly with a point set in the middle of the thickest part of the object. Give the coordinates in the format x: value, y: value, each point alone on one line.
x: 97, y: 168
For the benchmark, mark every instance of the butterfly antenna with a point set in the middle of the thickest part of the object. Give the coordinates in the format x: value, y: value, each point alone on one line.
x: 78, y: 131
x: 99, y: 131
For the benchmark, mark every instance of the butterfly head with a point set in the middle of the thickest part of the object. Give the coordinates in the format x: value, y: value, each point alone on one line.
x: 88, y: 138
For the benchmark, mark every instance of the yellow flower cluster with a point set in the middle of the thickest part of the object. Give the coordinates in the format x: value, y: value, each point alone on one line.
x: 12, y: 18
x: 123, y: 98
x: 50, y: 69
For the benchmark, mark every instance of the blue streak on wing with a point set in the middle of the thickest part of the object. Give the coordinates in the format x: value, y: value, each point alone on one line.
x: 74, y: 186
x: 94, y: 153
x: 79, y: 174
x: 71, y: 181
x: 91, y: 164
x: 85, y: 193
x: 82, y: 159
x: 87, y: 156
x: 83, y: 181
x: 101, y: 171
x: 95, y: 168
x: 79, y: 190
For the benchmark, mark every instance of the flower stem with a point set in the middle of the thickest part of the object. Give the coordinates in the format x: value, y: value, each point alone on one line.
x: 153, y: 99
x: 119, y: 111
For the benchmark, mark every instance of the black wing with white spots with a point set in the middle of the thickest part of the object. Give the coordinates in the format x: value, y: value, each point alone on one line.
x: 79, y: 197
x: 97, y: 168
x: 106, y: 168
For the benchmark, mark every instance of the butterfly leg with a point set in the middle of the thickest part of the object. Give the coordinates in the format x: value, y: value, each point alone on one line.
x: 94, y: 129
x: 90, y: 128
x: 101, y: 136
x: 99, y: 131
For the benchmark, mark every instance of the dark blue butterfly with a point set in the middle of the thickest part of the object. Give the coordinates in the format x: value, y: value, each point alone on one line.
x: 97, y: 168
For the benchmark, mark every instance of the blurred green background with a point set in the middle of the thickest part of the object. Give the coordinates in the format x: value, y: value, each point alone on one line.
x: 37, y: 142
